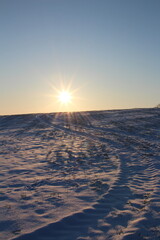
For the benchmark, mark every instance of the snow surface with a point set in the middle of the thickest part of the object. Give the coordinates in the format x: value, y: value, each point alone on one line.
x: 88, y: 175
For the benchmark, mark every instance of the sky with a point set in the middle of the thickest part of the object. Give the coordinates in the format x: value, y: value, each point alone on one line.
x: 106, y: 53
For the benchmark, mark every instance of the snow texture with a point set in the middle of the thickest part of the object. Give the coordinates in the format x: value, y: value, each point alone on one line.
x: 80, y: 176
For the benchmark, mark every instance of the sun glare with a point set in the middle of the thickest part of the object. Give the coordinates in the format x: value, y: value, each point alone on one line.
x: 64, y: 97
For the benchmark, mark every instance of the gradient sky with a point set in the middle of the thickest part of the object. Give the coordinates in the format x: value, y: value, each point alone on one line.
x: 107, y: 50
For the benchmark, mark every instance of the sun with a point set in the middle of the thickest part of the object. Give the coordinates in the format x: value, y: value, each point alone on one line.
x: 65, y: 97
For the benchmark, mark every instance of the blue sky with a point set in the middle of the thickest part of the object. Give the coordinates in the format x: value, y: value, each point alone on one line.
x: 107, y: 50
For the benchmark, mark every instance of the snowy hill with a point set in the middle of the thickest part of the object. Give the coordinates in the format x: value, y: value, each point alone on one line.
x: 88, y: 175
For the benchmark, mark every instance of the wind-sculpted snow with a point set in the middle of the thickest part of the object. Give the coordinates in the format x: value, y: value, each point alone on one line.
x: 88, y: 175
